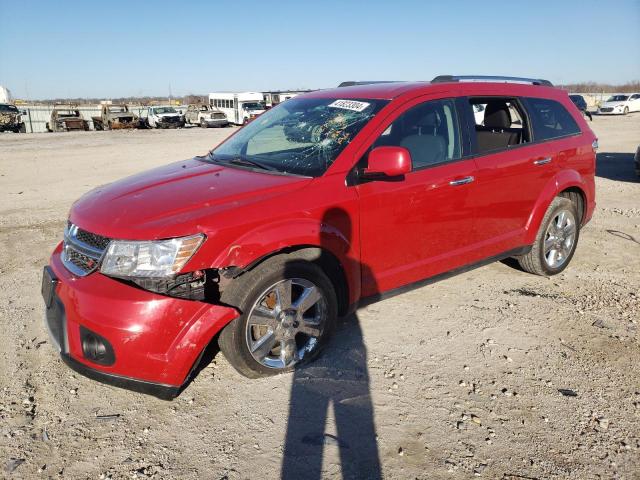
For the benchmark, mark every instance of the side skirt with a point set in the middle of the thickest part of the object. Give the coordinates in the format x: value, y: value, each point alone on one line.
x: 441, y: 276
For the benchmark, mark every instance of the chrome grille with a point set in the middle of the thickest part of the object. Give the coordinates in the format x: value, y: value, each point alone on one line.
x: 606, y: 109
x: 82, y: 251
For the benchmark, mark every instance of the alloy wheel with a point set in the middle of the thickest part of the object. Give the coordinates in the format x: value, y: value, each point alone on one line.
x: 560, y: 239
x: 286, y: 322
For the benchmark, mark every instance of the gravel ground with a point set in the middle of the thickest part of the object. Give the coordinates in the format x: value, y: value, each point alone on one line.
x: 459, y: 379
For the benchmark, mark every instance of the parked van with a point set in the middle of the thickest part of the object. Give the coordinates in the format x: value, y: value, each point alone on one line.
x: 239, y: 108
x: 331, y: 200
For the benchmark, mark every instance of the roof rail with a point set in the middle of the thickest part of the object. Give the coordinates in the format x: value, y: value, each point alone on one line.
x: 351, y: 83
x: 490, y: 78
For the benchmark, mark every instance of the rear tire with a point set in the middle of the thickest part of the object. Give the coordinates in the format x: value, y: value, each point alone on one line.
x: 555, y: 241
x: 203, y: 124
x: 251, y: 293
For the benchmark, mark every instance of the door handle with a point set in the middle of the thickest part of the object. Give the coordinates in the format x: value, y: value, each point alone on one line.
x: 542, y: 161
x: 461, y: 181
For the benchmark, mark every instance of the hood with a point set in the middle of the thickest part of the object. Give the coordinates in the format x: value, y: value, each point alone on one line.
x: 179, y: 199
x: 167, y: 115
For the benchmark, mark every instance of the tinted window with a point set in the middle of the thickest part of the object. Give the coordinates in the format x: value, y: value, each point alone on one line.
x: 578, y: 100
x: 550, y: 119
x: 429, y: 131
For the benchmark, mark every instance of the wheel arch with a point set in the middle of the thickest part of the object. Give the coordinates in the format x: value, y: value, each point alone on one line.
x: 578, y: 198
x: 569, y: 184
x: 323, y: 257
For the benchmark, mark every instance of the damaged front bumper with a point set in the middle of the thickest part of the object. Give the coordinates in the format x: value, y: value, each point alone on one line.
x: 125, y: 336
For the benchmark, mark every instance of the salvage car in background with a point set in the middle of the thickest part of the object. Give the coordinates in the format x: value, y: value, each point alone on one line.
x: 66, y: 119
x: 581, y: 104
x: 637, y: 161
x: 620, y: 104
x: 164, y: 117
x: 113, y: 117
x: 10, y: 118
x: 205, y: 116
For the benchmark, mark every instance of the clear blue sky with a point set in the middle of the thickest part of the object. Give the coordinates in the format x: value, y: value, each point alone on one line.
x: 120, y: 48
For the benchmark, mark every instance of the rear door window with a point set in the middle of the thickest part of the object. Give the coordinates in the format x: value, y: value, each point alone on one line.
x: 550, y: 119
x: 499, y: 123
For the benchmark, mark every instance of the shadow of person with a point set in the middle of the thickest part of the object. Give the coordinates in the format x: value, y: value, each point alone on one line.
x: 339, y: 379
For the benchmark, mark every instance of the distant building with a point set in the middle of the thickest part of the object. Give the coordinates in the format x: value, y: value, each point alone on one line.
x: 275, y: 97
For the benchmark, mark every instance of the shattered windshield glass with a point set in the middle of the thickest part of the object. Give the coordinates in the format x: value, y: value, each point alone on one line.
x: 302, y: 136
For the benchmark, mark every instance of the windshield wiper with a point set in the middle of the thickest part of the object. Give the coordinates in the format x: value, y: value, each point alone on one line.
x: 252, y: 163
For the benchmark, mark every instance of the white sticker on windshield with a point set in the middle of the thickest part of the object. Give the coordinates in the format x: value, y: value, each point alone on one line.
x: 350, y: 105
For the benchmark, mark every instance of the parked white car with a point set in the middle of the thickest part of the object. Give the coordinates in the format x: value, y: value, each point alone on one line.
x: 164, y: 117
x: 620, y: 104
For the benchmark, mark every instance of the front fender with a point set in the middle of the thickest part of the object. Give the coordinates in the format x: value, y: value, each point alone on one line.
x: 263, y: 241
x: 335, y: 238
x: 560, y: 182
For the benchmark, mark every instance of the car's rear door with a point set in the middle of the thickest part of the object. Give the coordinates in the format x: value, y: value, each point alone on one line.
x: 512, y: 171
x: 421, y: 224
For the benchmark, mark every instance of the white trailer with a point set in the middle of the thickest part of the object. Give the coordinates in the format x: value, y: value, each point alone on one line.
x: 240, y: 107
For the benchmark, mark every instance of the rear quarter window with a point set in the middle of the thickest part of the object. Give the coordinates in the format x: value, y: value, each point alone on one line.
x: 550, y: 119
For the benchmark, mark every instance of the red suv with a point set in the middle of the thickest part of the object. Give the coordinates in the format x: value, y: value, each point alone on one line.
x: 322, y: 203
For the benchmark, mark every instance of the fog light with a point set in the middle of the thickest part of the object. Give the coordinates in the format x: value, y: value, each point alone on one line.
x: 96, y: 348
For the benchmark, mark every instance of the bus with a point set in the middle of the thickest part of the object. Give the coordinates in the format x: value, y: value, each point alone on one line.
x: 240, y: 107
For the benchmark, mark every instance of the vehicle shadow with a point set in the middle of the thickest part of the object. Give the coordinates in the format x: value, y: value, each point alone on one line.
x: 339, y: 379
x: 616, y: 166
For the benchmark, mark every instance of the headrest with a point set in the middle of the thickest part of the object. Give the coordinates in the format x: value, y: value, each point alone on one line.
x: 497, y: 115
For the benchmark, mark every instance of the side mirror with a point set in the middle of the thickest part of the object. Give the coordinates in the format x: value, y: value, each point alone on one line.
x: 388, y: 162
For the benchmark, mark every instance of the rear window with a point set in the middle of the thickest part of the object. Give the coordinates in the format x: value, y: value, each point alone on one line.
x: 550, y: 119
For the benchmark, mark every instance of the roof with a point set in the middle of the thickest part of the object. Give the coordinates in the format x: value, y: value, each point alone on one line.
x: 382, y: 91
x: 391, y: 90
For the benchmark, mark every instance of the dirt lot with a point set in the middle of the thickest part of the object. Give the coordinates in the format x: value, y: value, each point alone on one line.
x: 456, y: 379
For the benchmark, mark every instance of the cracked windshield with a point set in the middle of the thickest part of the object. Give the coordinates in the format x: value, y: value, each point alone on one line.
x: 300, y: 137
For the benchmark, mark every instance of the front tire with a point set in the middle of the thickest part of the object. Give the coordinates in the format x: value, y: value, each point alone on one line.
x: 625, y: 111
x: 556, y: 240
x: 288, y: 312
x: 203, y: 123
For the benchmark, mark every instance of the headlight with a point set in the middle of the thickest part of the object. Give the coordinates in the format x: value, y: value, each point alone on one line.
x: 149, y: 259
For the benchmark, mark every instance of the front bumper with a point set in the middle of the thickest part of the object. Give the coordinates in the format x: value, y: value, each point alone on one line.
x: 170, y: 122
x: 156, y: 340
x: 613, y: 111
x: 217, y: 122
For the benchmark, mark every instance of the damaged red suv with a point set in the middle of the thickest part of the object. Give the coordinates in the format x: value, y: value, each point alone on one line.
x: 324, y: 202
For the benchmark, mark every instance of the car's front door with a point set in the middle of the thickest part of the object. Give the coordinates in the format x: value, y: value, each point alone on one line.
x: 421, y: 224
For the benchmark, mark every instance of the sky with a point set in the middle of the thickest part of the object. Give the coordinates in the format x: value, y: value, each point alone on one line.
x: 58, y: 49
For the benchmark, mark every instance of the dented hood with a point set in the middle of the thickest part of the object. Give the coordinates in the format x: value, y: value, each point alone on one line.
x: 182, y: 198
